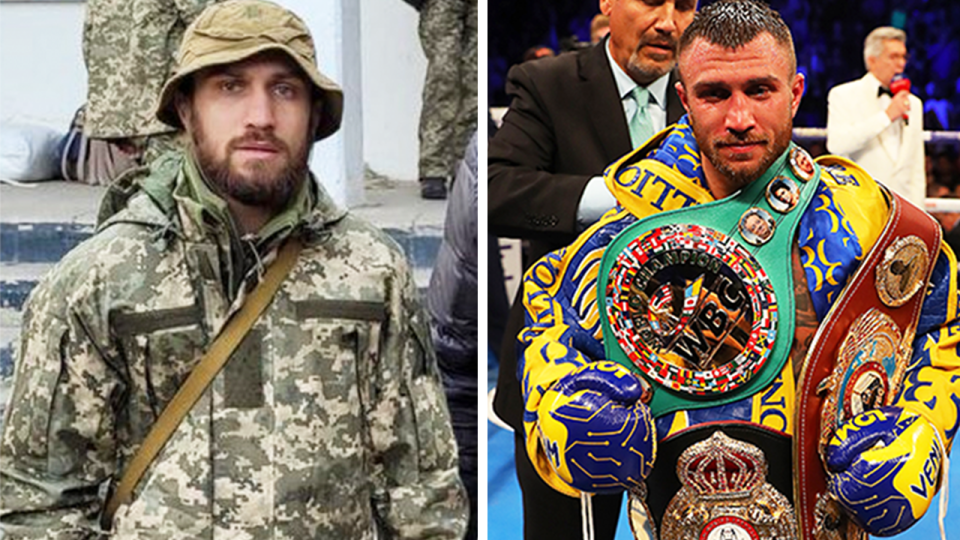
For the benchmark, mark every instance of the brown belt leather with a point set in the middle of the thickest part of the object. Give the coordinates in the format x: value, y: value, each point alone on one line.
x: 810, y: 480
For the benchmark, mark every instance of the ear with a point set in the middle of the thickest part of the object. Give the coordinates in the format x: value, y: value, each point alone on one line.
x: 606, y: 6
x: 316, y: 114
x: 796, y: 91
x: 184, y: 109
x: 682, y: 94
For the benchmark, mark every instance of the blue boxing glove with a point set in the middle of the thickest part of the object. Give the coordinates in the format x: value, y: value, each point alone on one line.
x: 884, y: 468
x: 597, y: 433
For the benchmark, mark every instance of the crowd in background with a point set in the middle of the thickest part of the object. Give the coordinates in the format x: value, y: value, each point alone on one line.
x: 942, y: 165
x: 828, y: 37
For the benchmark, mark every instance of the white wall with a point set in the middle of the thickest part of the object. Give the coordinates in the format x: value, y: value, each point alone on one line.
x: 338, y: 160
x: 43, y: 80
x: 393, y: 70
x: 42, y: 77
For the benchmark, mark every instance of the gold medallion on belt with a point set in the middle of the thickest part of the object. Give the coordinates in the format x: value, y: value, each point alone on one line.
x: 725, y: 495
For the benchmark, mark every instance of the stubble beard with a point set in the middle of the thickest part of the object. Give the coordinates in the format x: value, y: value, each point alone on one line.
x: 644, y: 72
x: 738, y: 178
x: 262, y: 187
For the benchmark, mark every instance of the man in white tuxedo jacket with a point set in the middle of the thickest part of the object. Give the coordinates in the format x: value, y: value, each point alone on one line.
x: 880, y: 131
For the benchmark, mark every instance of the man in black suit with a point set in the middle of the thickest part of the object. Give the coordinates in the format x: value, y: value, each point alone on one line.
x: 570, y: 117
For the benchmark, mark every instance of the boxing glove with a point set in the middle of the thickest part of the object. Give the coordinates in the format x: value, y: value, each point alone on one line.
x: 884, y: 468
x: 596, y: 430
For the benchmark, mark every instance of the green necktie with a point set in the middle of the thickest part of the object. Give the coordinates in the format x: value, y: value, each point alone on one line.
x: 641, y: 127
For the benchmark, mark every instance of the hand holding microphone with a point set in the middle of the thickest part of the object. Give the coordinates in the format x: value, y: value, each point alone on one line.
x: 900, y: 104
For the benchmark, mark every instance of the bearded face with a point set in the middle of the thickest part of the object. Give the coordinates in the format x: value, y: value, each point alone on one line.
x: 250, y: 124
x: 267, y: 182
x: 740, y: 103
x: 740, y: 168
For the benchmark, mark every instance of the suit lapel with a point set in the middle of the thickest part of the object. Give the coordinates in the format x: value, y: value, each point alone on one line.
x: 888, y: 141
x: 603, y: 102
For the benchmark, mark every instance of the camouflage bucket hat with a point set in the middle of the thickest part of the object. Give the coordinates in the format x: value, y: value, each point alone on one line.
x: 238, y: 29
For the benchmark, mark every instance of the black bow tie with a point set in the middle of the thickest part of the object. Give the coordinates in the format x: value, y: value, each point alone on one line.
x: 881, y: 91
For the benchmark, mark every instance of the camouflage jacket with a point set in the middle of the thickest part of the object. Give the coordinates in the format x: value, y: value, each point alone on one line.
x: 327, y: 422
x: 129, y: 49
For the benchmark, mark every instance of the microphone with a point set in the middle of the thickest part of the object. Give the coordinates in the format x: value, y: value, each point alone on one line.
x: 899, y: 83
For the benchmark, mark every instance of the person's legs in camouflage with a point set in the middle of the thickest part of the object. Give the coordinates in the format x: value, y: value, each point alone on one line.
x: 441, y: 36
x: 466, y: 120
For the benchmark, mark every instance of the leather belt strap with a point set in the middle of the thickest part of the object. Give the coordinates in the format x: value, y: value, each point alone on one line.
x: 810, y: 480
x: 201, y: 377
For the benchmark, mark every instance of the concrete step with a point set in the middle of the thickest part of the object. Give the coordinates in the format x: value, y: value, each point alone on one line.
x: 48, y: 242
x: 9, y: 334
x: 27, y: 251
x: 40, y: 223
x: 17, y: 280
x: 38, y: 242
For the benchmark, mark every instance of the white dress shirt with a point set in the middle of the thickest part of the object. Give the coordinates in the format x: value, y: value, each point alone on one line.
x: 596, y: 198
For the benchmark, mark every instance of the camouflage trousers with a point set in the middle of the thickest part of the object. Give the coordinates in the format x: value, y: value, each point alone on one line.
x: 448, y: 35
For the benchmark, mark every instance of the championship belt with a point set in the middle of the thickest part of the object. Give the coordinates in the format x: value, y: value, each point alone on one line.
x: 859, y: 356
x: 694, y: 299
x: 728, y: 480
x: 725, y: 495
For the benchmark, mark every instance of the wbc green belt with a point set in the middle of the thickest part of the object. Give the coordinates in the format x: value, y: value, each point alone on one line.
x: 699, y: 301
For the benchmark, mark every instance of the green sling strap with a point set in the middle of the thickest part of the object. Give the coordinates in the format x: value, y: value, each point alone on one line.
x: 201, y: 377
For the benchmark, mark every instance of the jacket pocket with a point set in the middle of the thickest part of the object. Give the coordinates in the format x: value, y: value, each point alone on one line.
x: 321, y: 378
x: 349, y: 331
x: 340, y: 309
x: 162, y: 347
x: 436, y: 447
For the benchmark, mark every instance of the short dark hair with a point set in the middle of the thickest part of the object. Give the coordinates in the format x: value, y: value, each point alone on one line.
x: 735, y: 23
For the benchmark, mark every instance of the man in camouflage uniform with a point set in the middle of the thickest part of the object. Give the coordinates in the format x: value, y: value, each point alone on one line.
x: 129, y: 50
x: 448, y: 35
x: 328, y: 421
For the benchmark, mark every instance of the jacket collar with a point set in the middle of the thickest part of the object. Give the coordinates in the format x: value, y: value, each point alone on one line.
x: 602, y: 101
x: 171, y: 196
x: 205, y: 212
x: 659, y: 89
x: 872, y: 81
